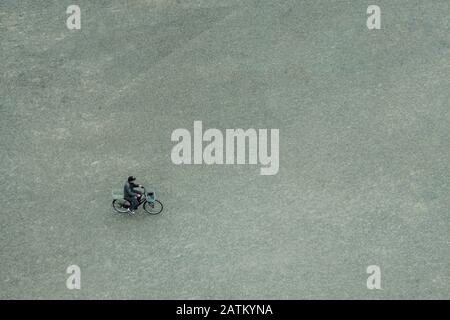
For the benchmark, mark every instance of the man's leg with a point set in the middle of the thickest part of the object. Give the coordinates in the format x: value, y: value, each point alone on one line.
x: 134, y: 203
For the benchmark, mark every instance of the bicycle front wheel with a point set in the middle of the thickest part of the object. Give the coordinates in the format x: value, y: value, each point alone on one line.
x: 154, y: 207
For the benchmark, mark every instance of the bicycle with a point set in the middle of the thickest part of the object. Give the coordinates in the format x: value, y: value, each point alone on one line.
x: 150, y: 204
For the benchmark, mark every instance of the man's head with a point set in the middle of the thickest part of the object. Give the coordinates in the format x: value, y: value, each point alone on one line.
x: 131, y: 179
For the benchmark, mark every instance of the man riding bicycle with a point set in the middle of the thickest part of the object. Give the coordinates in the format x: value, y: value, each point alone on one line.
x: 132, y: 195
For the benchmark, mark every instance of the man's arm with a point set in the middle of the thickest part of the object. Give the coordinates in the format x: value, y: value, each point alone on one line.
x: 130, y: 191
x: 134, y: 185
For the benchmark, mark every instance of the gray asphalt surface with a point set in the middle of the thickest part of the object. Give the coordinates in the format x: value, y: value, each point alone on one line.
x: 364, y: 149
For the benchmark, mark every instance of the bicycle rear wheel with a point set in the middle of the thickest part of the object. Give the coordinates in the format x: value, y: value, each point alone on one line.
x: 154, y: 207
x: 118, y: 205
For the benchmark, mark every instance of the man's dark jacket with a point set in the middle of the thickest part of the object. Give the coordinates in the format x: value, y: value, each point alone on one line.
x: 128, y: 191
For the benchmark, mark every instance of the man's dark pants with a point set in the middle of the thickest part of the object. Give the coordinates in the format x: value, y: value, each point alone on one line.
x: 134, y: 203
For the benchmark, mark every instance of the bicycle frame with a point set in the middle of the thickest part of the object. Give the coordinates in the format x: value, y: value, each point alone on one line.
x: 145, y: 197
